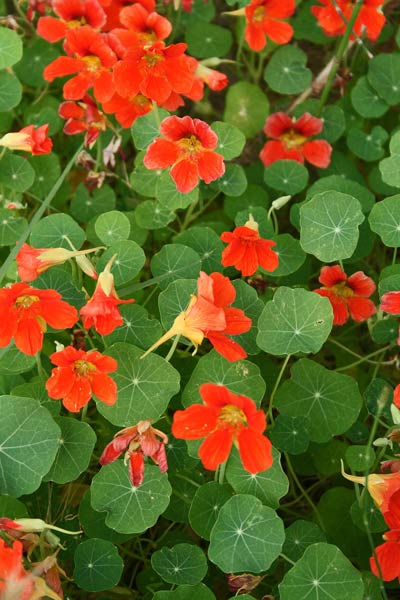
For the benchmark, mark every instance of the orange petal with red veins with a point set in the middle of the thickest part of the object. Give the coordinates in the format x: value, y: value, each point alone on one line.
x: 215, y: 449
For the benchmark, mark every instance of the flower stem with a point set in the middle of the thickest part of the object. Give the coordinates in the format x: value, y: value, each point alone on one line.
x: 277, y: 382
x: 173, y: 348
x: 221, y: 473
x: 339, y: 55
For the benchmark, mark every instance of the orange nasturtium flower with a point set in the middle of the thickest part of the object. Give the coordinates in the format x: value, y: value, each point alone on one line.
x: 29, y: 140
x: 34, y: 261
x: 388, y: 555
x: 224, y: 419
x: 246, y: 250
x: 188, y: 147
x: 79, y: 375
x: 26, y: 312
x: 209, y: 315
x: 13, y: 577
x: 137, y: 441
x: 101, y: 311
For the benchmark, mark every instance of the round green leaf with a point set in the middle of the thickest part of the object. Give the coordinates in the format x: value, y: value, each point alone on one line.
x: 98, y: 566
x: 138, y: 328
x: 186, y: 592
x: 205, y: 40
x: 15, y: 172
x: 231, y: 140
x: 53, y: 231
x: 145, y: 181
x: 254, y: 197
x: 57, y: 278
x: 169, y: 197
x: 291, y: 256
x: 287, y: 176
x: 206, y: 505
x: 260, y: 215
x: 14, y: 361
x: 329, y: 225
x: 334, y: 123
x: 175, y: 261
x: 247, y: 536
x: 247, y: 299
x: 29, y: 440
x: 206, y: 243
x: 153, y: 215
x: 129, y: 261
x: 347, y: 186
x: 76, y: 445
x: 85, y: 205
x: 146, y: 128
x: 241, y: 377
x: 390, y: 167
x: 145, y: 386
x: 290, y: 434
x: 10, y: 91
x: 13, y: 508
x: 322, y: 573
x: 331, y: 401
x: 366, y: 100
x: 93, y: 523
x: 360, y: 458
x: 37, y: 55
x: 268, y: 486
x: 286, y: 72
x: 385, y: 220
x: 181, y: 564
x: 175, y: 299
x: 47, y: 169
x: 11, y: 227
x: 10, y: 47
x: 384, y: 76
x: 367, y: 516
x: 130, y: 509
x: 233, y: 182
x: 367, y: 146
x: 294, y: 321
x: 112, y: 227
x: 300, y: 535
x: 246, y: 107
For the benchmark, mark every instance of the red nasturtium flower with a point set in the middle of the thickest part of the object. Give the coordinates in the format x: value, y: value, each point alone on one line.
x: 246, y: 250
x: 264, y: 20
x: 79, y: 375
x: 147, y: 25
x: 290, y: 140
x: 83, y: 116
x: 347, y: 294
x: 34, y: 261
x: 390, y: 303
x: 224, y: 419
x: 26, y: 311
x: 137, y: 442
x: 210, y: 315
x: 101, y: 311
x: 127, y: 110
x: 14, y: 580
x: 188, y: 146
x: 29, y: 140
x: 72, y: 14
x: 91, y: 58
x: 334, y: 16
x: 388, y: 555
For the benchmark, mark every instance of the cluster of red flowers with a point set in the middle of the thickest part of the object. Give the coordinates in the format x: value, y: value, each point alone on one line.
x: 333, y: 17
x: 120, y: 53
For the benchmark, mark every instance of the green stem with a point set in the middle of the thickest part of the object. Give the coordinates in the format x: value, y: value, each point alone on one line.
x: 37, y: 216
x: 289, y: 560
x: 221, y: 473
x: 303, y: 492
x: 340, y: 53
x: 277, y: 382
x: 40, y: 369
x: 365, y: 359
x: 173, y: 348
x: 394, y: 256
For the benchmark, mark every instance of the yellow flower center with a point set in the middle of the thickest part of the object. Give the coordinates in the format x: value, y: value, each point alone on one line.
x: 76, y: 23
x: 232, y: 415
x: 93, y: 63
x: 190, y: 143
x: 26, y: 301
x: 258, y: 14
x: 152, y: 59
x: 83, y: 368
x: 342, y: 290
x: 292, y: 139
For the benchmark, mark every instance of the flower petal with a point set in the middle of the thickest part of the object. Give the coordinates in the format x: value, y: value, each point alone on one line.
x: 255, y: 450
x: 215, y: 449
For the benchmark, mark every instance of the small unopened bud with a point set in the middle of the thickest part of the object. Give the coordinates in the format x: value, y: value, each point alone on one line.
x: 278, y: 203
x: 382, y: 442
x: 395, y: 414
x: 86, y: 266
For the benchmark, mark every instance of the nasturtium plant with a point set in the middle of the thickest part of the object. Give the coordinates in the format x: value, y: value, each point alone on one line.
x: 199, y: 300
